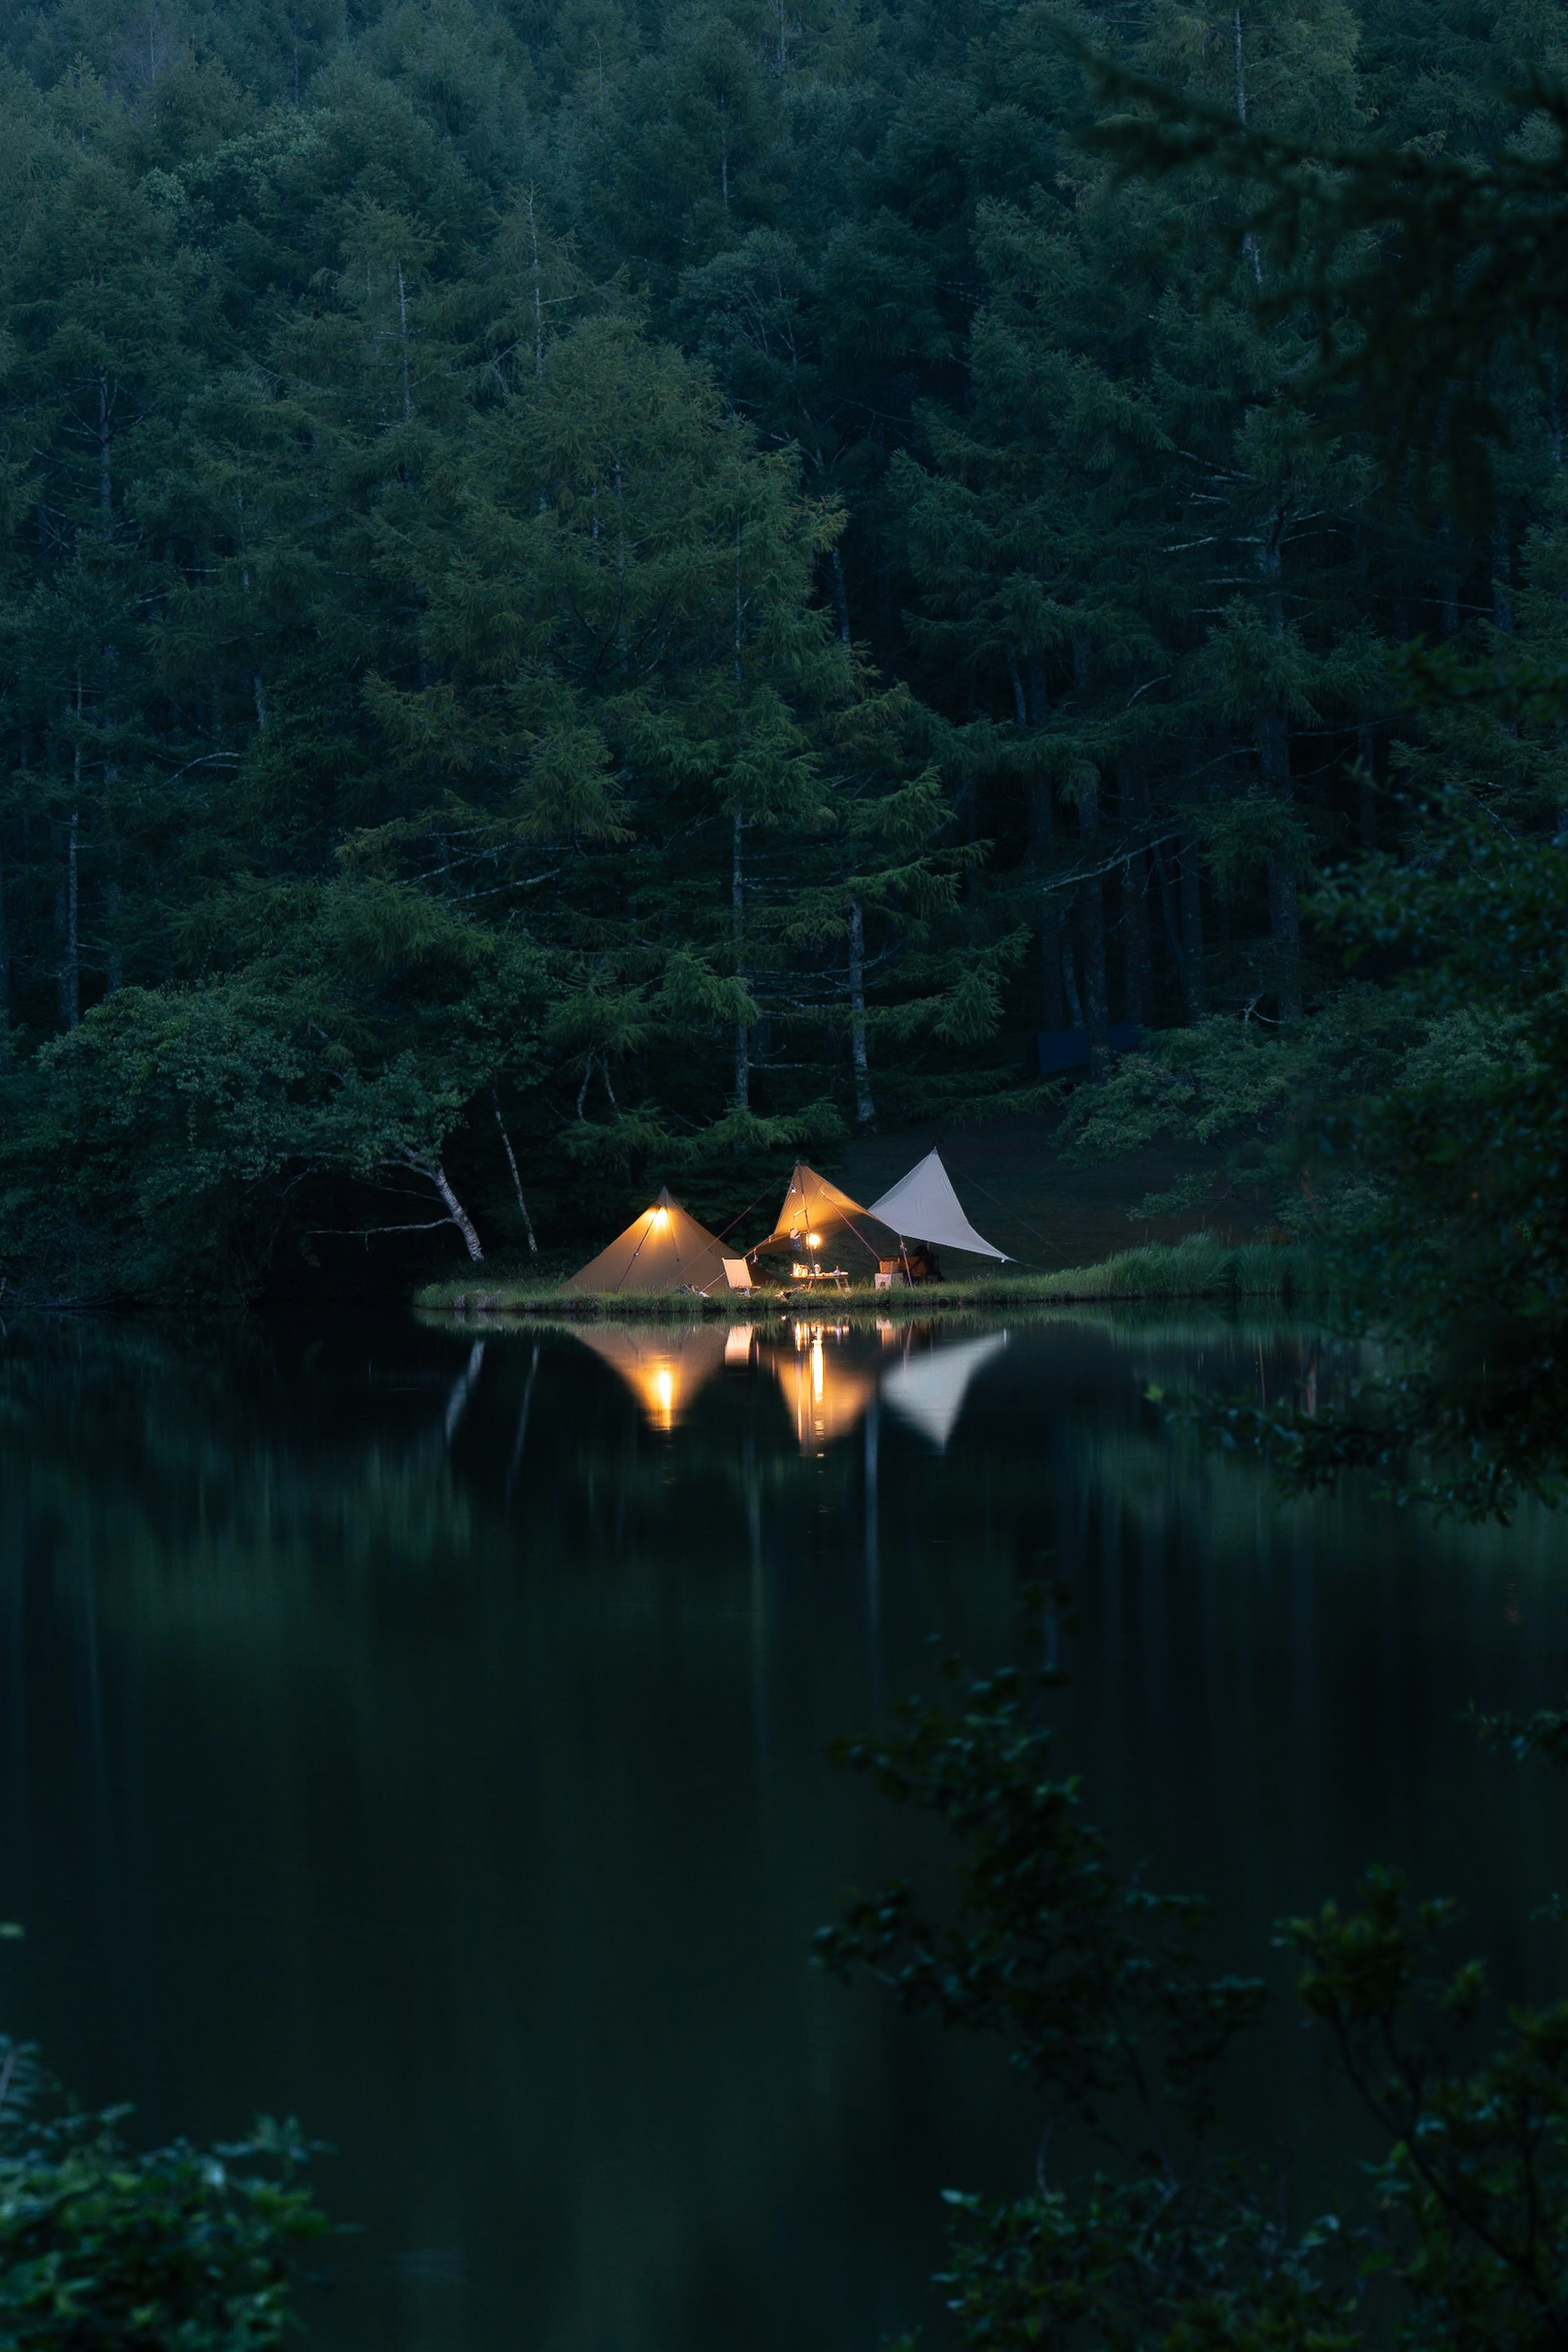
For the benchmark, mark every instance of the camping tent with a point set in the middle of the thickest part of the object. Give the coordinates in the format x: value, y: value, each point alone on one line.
x: 821, y: 1225
x: 664, y: 1249
x: 923, y: 1206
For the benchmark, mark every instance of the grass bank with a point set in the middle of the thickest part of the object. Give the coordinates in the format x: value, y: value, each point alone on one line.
x: 1199, y: 1267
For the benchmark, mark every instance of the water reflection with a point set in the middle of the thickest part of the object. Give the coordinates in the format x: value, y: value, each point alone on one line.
x: 425, y: 1731
x: 827, y: 1379
x: 928, y: 1390
x: 830, y: 1374
x: 663, y: 1369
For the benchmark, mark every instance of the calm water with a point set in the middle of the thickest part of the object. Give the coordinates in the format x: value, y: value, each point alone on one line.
x: 428, y: 1735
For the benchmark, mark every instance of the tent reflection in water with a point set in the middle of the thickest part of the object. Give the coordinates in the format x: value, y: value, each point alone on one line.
x: 664, y: 1249
x: 820, y: 1227
x: 928, y: 1392
x: 825, y: 1387
x: 664, y: 1369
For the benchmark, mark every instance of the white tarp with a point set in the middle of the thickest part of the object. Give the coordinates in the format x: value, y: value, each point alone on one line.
x: 928, y: 1392
x: 924, y: 1207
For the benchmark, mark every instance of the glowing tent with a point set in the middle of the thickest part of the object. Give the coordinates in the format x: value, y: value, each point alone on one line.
x: 923, y: 1206
x: 664, y: 1249
x: 819, y: 1225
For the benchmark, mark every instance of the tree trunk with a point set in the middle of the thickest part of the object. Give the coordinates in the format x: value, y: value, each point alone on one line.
x: 1502, y: 585
x: 538, y: 293
x: 517, y: 1179
x: 403, y: 338
x: 1284, y: 912
x: 68, y: 972
x: 1047, y: 922
x: 737, y: 918
x: 1021, y: 705
x: 865, y: 1109
x: 1137, y: 959
x: 1192, y: 929
x: 1070, y: 987
x: 1189, y: 873
x: 435, y: 1174
x: 1274, y: 758
x: 105, y: 479
x: 1365, y: 751
x: 1091, y: 899
x: 1169, y: 912
x: 1136, y: 954
x: 5, y: 979
x: 1042, y: 818
x: 1285, y: 924
x: 840, y: 598
x: 1448, y: 583
x: 114, y: 955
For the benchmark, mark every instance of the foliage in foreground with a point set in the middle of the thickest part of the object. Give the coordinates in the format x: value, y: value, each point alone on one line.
x: 1095, y: 1986
x: 177, y: 2250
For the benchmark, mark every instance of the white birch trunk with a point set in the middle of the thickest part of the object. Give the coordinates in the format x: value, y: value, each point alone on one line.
x: 435, y: 1174
x: 865, y: 1109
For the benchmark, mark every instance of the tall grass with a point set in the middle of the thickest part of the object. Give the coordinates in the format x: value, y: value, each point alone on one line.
x: 1198, y: 1267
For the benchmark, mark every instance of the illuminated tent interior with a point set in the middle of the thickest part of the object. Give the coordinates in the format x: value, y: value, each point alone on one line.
x: 928, y: 1392
x: 923, y: 1206
x: 664, y: 1249
x: 826, y: 1389
x: 664, y: 1369
x: 819, y: 1225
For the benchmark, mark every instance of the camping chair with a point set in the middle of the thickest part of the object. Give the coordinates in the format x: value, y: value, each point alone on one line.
x: 739, y: 1272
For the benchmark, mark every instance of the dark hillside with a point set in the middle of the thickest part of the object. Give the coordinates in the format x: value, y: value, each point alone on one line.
x: 636, y: 591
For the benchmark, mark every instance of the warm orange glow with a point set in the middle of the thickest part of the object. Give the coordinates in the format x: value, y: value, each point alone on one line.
x: 826, y: 1389
x: 664, y: 1371
x: 661, y: 1217
x: 813, y: 1241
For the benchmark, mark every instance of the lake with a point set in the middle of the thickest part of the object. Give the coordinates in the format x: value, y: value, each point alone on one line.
x: 425, y: 1731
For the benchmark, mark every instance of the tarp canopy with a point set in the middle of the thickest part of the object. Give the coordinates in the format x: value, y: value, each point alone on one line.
x: 928, y: 1392
x: 821, y: 1224
x: 924, y: 1207
x: 664, y: 1249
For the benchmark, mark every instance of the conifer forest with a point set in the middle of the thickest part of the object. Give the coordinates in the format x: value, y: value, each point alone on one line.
x: 596, y: 593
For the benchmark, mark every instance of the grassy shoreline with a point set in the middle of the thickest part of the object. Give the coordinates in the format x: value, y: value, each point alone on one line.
x: 1199, y: 1267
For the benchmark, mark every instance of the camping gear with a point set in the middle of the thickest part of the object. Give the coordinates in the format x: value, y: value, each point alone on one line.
x: 664, y: 1249
x: 819, y: 1226
x: 923, y: 1206
x: 915, y: 1263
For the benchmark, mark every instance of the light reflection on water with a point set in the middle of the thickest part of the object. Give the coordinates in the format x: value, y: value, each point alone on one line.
x: 425, y: 1731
